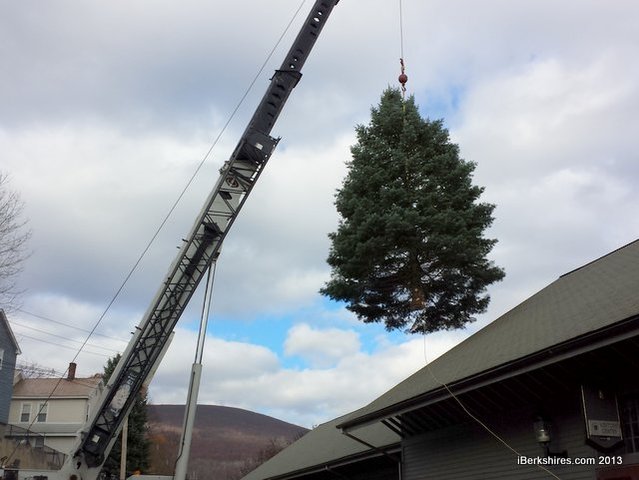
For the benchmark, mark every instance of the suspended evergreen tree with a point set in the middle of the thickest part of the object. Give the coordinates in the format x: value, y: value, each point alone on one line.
x: 409, y: 249
x: 137, y: 458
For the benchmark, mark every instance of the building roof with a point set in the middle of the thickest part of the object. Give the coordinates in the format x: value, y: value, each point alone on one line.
x: 324, y: 446
x: 43, y: 387
x: 583, y: 306
x: 5, y: 321
x: 583, y: 302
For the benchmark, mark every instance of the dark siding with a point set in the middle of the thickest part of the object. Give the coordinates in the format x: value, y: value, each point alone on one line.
x: 470, y: 452
x: 385, y: 472
x: 6, y: 373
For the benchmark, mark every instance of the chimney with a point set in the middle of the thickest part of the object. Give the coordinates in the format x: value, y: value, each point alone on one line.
x: 71, y: 374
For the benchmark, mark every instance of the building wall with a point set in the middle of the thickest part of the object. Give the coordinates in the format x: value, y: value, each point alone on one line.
x: 8, y: 361
x: 468, y: 451
x: 60, y: 410
x: 61, y: 444
x: 64, y: 418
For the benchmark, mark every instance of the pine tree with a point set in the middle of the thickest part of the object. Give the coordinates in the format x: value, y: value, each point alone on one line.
x: 138, y: 444
x: 409, y: 249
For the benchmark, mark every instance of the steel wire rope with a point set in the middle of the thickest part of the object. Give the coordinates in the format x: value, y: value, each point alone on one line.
x: 401, y: 30
x: 430, y: 370
x: 177, y: 201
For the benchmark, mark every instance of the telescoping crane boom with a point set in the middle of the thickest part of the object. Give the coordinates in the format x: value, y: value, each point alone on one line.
x: 199, y: 251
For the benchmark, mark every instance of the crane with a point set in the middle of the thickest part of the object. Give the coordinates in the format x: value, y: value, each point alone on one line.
x: 199, y: 251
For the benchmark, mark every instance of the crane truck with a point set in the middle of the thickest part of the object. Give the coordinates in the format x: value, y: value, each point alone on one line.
x: 199, y: 252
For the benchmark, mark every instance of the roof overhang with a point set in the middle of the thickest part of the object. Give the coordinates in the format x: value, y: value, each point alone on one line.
x: 591, y: 341
x: 370, y: 455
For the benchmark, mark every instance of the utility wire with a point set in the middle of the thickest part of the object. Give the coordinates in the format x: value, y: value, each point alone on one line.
x: 48, y: 319
x: 61, y: 337
x: 173, y: 207
x: 474, y: 417
x: 41, y: 373
x: 22, y: 335
x: 193, y: 176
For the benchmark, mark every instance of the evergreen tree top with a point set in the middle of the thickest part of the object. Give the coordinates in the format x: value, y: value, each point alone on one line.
x: 409, y: 249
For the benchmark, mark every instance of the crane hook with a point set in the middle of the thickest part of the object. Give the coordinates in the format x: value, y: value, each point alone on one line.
x: 403, y: 78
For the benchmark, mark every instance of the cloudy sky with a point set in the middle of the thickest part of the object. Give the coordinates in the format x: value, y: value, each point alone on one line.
x: 107, y: 108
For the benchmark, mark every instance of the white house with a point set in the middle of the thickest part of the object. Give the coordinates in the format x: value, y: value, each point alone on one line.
x: 50, y: 411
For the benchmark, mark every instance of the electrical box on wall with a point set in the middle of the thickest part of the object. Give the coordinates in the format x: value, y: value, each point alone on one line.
x: 601, y: 414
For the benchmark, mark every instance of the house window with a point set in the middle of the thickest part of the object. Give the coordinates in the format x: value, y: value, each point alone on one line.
x: 42, y: 412
x: 25, y: 414
x: 39, y: 442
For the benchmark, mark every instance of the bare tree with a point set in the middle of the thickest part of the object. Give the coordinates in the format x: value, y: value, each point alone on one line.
x: 30, y: 369
x: 14, y: 236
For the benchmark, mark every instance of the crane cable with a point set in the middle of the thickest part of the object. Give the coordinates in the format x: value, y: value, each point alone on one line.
x: 128, y: 276
x: 403, y: 78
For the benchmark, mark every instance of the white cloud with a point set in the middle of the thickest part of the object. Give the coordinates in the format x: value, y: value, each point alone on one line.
x: 100, y: 132
x: 525, y: 124
x: 223, y: 362
x: 250, y: 376
x: 55, y: 343
x: 314, y: 395
x: 322, y: 348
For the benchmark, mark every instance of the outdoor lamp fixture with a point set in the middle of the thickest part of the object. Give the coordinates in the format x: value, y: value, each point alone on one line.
x: 542, y: 433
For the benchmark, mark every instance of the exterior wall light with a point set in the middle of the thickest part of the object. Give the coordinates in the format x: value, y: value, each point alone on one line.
x: 543, y: 430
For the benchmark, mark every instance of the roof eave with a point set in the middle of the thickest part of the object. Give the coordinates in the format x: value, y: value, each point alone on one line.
x: 590, y: 341
x: 392, y: 448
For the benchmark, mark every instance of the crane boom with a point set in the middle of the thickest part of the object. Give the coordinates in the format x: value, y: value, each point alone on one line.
x: 199, y: 251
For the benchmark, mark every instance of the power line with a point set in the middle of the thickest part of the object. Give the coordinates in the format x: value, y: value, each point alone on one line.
x: 170, y: 212
x: 45, y: 373
x: 66, y: 347
x: 50, y: 374
x: 48, y: 319
x: 193, y: 176
x: 62, y: 337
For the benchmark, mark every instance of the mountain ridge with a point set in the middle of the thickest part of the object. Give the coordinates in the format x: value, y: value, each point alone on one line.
x: 226, y: 441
